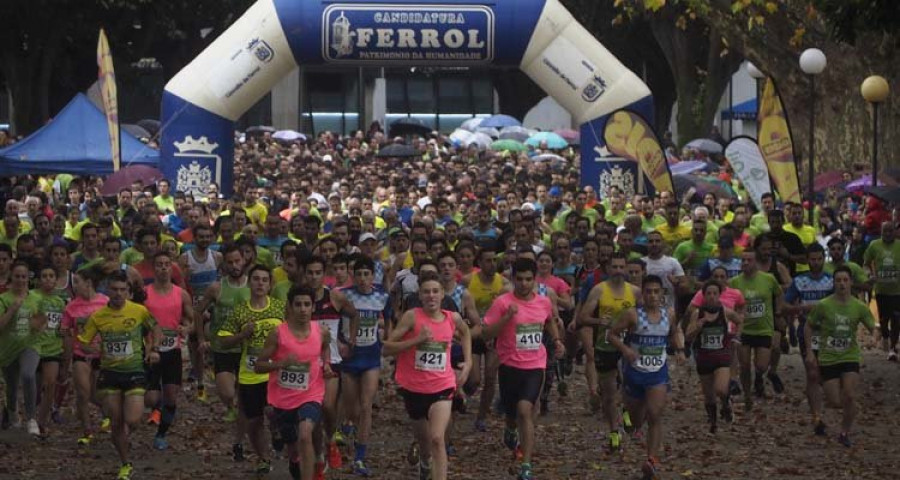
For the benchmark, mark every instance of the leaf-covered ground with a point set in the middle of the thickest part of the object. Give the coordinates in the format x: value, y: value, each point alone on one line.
x: 773, y: 442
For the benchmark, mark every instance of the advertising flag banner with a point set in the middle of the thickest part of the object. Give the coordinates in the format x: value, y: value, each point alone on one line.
x: 749, y: 167
x: 776, y: 144
x: 107, y: 78
x: 627, y: 135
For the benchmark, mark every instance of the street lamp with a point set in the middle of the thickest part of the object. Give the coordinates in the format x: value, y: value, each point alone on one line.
x: 812, y: 62
x: 875, y: 90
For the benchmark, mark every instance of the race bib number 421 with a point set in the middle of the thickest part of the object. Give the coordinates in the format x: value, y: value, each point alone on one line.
x: 431, y: 357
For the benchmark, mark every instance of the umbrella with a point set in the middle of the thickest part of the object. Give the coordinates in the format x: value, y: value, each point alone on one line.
x: 554, y: 141
x: 888, y: 194
x: 261, y: 129
x: 472, y: 123
x: 289, y: 136
x: 828, y: 179
x: 705, y: 145
x: 128, y: 175
x: 408, y: 126
x: 519, y: 134
x: 511, y: 145
x: 701, y: 185
x: 480, y: 140
x: 684, y: 168
x: 149, y: 125
x: 861, y: 183
x: 136, y: 131
x: 397, y: 150
x: 568, y: 134
x: 500, y: 121
x: 460, y: 137
x: 489, y: 131
x: 547, y: 157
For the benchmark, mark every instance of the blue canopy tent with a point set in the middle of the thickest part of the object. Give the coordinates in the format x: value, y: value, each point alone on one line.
x: 742, y: 111
x: 76, y: 141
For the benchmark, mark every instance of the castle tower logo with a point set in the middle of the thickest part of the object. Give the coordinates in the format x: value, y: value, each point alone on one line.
x: 200, y: 165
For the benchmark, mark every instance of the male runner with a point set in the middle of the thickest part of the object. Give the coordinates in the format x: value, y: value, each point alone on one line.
x: 837, y: 319
x: 120, y: 326
x: 650, y: 330
x: 171, y: 307
x: 517, y: 320
x: 612, y: 297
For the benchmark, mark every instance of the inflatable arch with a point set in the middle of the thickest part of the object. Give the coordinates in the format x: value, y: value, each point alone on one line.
x: 201, y: 103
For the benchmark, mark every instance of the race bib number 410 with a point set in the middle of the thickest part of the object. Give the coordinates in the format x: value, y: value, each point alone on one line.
x: 529, y: 336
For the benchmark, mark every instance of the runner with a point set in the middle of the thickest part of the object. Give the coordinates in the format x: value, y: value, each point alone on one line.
x: 331, y: 305
x: 120, y: 326
x: 612, y: 297
x: 767, y: 262
x: 421, y: 342
x: 360, y: 372
x: 806, y: 290
x: 18, y: 357
x: 249, y: 325
x: 650, y: 330
x: 173, y: 310
x: 517, y: 320
x: 49, y: 343
x: 709, y: 329
x: 882, y: 258
x: 764, y: 300
x: 836, y: 318
x: 297, y: 358
x: 485, y: 285
x: 85, y: 364
x: 223, y: 296
x: 201, y: 267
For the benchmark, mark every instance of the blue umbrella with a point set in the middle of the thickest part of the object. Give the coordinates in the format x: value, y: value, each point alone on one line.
x: 500, y: 121
x: 683, y: 168
x: 553, y: 140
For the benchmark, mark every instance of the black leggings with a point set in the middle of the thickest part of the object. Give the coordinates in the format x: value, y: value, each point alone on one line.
x: 889, y: 316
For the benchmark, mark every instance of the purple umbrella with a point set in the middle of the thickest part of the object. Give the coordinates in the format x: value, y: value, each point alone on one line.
x: 861, y: 183
x: 128, y: 175
x: 683, y: 168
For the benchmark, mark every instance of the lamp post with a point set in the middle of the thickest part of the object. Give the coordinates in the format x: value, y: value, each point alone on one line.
x: 812, y: 62
x: 875, y: 90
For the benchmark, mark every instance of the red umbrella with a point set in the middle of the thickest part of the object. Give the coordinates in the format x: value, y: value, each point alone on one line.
x: 128, y: 175
x: 567, y: 133
x: 827, y: 179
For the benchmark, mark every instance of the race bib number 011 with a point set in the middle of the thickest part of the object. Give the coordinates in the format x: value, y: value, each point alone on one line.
x: 367, y: 333
x: 431, y: 357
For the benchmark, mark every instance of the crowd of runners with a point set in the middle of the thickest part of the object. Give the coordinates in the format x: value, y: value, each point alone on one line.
x: 472, y: 282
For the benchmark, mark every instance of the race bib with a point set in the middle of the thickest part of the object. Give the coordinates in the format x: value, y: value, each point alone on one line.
x: 294, y: 377
x: 712, y: 339
x: 837, y: 343
x: 814, y: 342
x: 431, y: 357
x: 169, y: 341
x: 756, y: 309
x: 650, y: 359
x: 251, y: 362
x: 529, y: 336
x: 118, y: 348
x: 367, y: 333
x: 54, y: 319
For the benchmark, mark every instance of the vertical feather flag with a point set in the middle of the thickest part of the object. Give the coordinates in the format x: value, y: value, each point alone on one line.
x: 107, y: 79
x: 776, y: 144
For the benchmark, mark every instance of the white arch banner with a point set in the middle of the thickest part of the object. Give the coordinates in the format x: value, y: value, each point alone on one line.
x: 201, y: 103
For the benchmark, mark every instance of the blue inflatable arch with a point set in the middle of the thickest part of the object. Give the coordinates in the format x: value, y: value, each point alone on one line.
x: 201, y: 103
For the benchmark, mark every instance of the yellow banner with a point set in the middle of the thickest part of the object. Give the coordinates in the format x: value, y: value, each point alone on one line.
x: 776, y: 144
x: 107, y: 80
x: 629, y: 136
